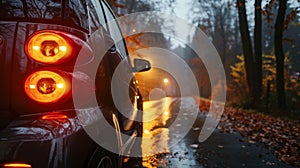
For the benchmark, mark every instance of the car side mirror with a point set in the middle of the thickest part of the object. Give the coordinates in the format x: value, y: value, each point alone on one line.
x: 141, y: 65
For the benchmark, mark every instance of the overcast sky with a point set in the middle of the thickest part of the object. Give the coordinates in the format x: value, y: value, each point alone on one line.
x: 182, y: 7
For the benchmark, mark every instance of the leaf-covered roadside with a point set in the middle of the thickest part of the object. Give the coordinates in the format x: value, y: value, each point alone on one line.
x: 282, y: 137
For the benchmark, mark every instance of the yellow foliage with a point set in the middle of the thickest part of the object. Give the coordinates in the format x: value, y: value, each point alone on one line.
x: 238, y: 88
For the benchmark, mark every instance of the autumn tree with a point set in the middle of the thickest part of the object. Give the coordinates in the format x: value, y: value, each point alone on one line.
x: 138, y: 40
x: 218, y: 19
x: 257, y: 53
x: 279, y: 27
x: 247, y: 47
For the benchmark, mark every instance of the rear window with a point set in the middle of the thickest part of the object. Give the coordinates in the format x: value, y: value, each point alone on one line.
x: 31, y: 9
x: 63, y: 11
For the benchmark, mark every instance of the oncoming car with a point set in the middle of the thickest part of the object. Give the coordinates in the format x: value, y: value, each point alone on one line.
x: 44, y: 52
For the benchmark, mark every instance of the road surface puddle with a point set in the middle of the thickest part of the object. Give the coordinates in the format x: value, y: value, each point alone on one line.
x: 164, y: 126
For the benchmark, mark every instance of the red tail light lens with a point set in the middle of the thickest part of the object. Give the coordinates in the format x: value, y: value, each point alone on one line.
x: 50, y: 47
x: 46, y: 86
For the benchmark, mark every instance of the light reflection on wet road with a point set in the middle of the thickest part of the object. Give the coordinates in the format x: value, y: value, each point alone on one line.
x: 163, y: 146
x: 158, y: 138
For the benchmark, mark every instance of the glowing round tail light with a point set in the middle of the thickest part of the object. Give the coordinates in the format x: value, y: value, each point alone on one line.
x: 45, y: 86
x: 48, y: 47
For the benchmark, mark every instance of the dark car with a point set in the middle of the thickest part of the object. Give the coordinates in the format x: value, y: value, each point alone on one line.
x: 41, y: 73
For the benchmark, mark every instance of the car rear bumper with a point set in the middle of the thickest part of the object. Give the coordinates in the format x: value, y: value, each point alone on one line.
x: 46, y: 142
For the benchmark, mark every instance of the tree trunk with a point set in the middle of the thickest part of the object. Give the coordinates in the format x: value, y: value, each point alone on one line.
x: 279, y: 25
x: 247, y: 46
x: 258, y: 53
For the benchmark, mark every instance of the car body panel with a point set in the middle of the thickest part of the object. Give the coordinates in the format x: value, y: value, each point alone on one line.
x: 7, y: 36
x: 59, y: 142
x: 45, y: 143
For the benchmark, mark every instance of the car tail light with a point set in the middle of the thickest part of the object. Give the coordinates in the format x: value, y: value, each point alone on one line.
x: 16, y: 165
x: 52, y: 47
x: 54, y: 116
x: 56, y: 52
x: 46, y: 86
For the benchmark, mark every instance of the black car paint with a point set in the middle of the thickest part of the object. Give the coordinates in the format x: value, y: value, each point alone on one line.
x: 24, y: 136
x: 7, y: 37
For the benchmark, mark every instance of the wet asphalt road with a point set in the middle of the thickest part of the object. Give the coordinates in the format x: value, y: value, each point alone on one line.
x: 166, y: 144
